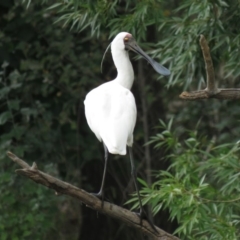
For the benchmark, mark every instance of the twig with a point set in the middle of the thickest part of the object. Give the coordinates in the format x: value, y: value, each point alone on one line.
x: 211, y: 91
x: 89, y: 200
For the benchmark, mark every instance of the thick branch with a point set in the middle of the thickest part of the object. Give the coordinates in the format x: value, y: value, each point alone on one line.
x: 91, y: 201
x: 226, y: 93
x: 211, y: 91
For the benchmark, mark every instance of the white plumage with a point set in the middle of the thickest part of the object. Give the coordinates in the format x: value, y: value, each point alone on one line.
x: 110, y: 108
x: 111, y: 114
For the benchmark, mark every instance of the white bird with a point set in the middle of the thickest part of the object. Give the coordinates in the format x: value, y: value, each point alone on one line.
x: 110, y: 109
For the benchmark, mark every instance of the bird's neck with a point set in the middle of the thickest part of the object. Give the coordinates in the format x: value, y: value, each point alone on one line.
x: 125, y: 76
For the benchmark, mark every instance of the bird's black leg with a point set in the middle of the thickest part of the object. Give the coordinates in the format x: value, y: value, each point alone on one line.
x: 100, y: 194
x: 142, y: 214
x: 134, y: 176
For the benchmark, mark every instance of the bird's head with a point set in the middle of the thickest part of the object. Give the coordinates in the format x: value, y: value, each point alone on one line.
x: 125, y: 41
x: 119, y: 41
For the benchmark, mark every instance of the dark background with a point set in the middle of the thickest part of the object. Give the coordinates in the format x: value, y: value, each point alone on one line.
x: 48, y: 67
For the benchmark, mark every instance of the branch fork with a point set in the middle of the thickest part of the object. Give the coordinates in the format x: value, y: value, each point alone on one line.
x: 212, y: 91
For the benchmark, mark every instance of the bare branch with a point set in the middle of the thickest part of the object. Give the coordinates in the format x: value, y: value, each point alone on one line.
x: 18, y: 160
x: 225, y: 93
x: 211, y: 91
x: 211, y: 85
x: 89, y: 200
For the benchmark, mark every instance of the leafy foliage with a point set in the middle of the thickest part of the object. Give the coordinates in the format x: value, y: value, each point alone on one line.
x: 40, y: 86
x: 177, y: 28
x: 200, y: 188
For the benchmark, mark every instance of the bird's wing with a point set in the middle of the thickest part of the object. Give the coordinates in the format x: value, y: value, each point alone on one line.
x: 111, y: 114
x: 93, y: 102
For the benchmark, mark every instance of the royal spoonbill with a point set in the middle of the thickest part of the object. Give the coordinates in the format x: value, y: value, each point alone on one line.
x: 110, y: 109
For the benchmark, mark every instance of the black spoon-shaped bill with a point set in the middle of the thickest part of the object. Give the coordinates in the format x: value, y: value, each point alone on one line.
x: 130, y: 44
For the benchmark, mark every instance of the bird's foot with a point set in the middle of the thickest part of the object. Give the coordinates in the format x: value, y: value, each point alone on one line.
x: 143, y: 216
x: 99, y: 195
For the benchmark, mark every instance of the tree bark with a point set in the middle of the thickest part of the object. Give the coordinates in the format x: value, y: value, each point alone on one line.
x: 89, y: 200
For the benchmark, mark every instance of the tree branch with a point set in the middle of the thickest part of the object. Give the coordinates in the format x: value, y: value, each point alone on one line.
x: 89, y: 200
x: 223, y: 93
x: 211, y: 85
x: 211, y: 91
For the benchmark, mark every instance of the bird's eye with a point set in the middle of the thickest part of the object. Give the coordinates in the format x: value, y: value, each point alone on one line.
x: 126, y: 39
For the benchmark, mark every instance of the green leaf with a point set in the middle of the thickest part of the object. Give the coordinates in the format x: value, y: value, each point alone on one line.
x: 13, y: 104
x: 142, y: 182
x: 4, y: 117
